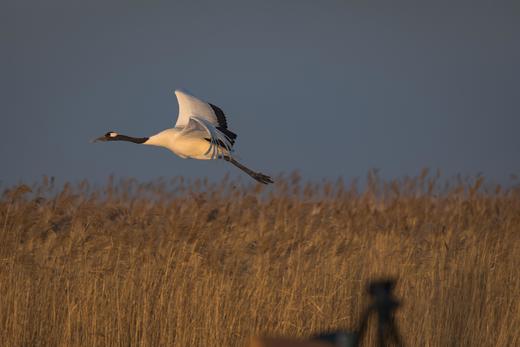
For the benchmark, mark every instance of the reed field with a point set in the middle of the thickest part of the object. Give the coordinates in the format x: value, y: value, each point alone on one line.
x: 180, y: 262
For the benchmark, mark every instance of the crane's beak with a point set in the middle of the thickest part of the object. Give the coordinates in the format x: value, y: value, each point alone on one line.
x: 99, y: 139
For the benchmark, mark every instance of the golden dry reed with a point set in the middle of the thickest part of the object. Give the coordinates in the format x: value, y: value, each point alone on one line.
x: 192, y: 263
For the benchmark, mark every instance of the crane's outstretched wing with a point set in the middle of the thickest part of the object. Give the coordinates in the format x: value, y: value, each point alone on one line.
x: 219, y: 141
x: 190, y: 106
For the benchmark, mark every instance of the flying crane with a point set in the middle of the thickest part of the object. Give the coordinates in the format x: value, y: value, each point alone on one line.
x: 201, y: 132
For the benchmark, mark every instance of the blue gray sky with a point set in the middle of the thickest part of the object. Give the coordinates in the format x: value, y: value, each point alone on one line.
x: 329, y: 88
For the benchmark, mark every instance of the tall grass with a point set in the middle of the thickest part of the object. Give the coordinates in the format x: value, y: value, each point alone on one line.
x: 178, y: 263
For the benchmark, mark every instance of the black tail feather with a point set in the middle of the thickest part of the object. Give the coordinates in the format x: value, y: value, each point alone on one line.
x: 229, y: 134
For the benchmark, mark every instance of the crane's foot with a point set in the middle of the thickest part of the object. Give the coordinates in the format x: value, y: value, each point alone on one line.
x: 260, y: 177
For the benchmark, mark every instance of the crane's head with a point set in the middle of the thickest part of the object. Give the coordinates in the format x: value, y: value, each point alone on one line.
x: 109, y: 136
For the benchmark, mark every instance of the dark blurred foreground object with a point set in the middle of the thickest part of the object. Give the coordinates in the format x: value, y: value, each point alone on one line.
x: 383, y: 304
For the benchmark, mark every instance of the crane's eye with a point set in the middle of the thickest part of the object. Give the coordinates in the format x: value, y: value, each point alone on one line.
x: 111, y: 134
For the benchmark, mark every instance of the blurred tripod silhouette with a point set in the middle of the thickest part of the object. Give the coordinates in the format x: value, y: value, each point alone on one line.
x: 384, y: 305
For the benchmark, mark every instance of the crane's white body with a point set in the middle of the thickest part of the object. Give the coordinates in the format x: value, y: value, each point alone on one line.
x: 196, y: 123
x: 185, y: 145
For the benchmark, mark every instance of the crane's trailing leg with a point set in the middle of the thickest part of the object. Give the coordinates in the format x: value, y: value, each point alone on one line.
x: 260, y: 177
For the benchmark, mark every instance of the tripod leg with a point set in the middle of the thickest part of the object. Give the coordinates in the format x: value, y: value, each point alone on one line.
x: 394, y: 333
x: 381, y: 329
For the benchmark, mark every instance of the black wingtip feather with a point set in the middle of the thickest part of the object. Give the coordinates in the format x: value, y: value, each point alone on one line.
x: 221, y: 117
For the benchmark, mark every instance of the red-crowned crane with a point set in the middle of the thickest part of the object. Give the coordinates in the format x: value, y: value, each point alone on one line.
x: 201, y: 132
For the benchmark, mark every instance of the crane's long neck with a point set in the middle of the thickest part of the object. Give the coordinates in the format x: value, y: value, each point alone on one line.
x: 127, y: 138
